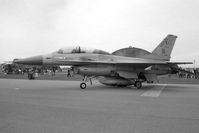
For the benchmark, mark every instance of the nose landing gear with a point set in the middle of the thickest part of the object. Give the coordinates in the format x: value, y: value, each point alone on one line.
x: 83, y: 85
x: 86, y: 79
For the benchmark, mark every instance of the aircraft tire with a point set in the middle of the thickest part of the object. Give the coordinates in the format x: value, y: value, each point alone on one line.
x: 83, y: 85
x: 138, y: 84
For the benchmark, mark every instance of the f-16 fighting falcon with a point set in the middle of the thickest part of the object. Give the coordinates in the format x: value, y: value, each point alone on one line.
x: 124, y: 67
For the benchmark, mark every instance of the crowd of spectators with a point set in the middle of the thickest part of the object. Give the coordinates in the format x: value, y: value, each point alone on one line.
x: 32, y: 71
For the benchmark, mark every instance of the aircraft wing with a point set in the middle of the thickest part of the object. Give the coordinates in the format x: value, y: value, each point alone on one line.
x: 116, y: 61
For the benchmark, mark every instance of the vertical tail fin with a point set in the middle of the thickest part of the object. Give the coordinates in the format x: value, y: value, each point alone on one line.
x: 164, y: 49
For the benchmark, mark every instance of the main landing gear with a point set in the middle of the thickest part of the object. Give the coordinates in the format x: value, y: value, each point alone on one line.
x: 138, y: 84
x: 86, y: 79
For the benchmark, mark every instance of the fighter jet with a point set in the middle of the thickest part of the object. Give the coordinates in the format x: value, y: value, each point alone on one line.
x: 124, y: 67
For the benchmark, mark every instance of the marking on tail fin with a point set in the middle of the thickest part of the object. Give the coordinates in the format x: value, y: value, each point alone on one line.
x: 164, y: 49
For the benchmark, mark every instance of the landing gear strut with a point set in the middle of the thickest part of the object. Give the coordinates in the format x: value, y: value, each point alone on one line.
x: 86, y: 79
x: 138, y: 84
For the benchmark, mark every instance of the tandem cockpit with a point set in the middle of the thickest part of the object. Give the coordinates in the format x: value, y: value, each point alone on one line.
x: 78, y: 49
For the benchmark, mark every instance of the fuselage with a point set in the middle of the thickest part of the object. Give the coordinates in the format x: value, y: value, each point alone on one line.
x: 99, y: 64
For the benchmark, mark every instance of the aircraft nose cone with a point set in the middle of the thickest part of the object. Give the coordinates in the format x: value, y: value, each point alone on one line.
x: 35, y: 60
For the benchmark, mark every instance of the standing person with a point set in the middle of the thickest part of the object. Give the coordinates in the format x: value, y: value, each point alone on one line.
x: 30, y: 74
x: 71, y: 73
x: 49, y: 72
x: 68, y: 73
x: 53, y: 71
x: 36, y: 74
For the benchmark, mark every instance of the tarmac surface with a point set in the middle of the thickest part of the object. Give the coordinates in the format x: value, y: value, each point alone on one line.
x: 51, y: 106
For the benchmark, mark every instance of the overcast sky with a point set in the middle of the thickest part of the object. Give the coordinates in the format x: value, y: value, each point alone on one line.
x: 32, y: 27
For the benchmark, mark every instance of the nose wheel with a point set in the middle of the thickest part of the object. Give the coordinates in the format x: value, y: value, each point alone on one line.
x: 83, y: 85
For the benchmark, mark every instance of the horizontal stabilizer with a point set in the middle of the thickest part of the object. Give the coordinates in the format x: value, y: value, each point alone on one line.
x: 172, y: 63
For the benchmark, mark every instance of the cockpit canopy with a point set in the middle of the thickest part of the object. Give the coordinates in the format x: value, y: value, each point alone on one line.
x: 78, y: 49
